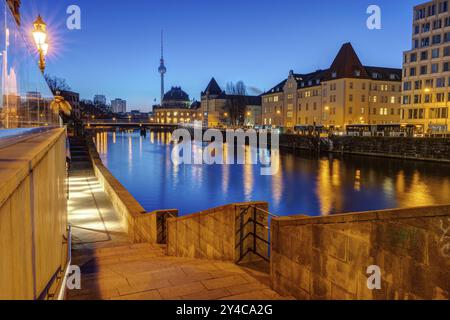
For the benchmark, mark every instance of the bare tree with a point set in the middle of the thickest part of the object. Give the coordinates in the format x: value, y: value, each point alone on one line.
x: 236, y: 102
x: 56, y: 84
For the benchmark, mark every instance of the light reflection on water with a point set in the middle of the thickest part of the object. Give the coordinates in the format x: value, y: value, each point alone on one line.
x: 305, y: 184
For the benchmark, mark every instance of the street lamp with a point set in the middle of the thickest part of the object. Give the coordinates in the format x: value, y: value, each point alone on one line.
x: 40, y: 37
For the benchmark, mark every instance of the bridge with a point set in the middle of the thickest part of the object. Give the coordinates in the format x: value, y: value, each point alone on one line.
x: 129, y: 124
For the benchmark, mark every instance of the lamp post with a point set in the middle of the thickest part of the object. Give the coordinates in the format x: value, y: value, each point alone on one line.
x: 40, y: 37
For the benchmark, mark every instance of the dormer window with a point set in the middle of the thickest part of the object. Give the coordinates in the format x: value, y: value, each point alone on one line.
x: 309, y: 83
x: 376, y: 75
x: 318, y: 81
x: 334, y: 74
x: 392, y: 76
x: 357, y: 73
x: 302, y: 84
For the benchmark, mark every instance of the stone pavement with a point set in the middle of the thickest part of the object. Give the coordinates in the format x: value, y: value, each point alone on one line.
x: 113, y: 268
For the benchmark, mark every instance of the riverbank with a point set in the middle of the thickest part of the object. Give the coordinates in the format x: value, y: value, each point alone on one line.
x: 420, y: 149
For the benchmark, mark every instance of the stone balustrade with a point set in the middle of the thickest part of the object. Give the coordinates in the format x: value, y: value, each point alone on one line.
x: 33, y: 216
x: 328, y: 257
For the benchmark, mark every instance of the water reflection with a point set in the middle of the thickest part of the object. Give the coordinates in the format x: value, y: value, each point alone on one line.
x: 305, y: 184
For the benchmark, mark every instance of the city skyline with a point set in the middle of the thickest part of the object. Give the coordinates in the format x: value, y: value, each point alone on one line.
x: 293, y: 36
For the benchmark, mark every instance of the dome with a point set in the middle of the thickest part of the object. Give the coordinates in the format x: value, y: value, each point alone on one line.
x: 176, y: 94
x: 176, y: 98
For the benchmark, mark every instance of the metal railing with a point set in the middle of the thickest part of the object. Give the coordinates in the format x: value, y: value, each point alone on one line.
x: 243, y: 233
x: 161, y: 220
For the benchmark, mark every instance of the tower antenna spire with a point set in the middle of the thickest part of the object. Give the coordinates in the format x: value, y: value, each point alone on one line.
x: 162, y: 68
x: 162, y: 44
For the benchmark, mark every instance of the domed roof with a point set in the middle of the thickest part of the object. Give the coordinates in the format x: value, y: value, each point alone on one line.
x: 176, y: 94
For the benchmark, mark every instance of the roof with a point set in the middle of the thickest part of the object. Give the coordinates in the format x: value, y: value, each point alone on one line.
x: 249, y: 100
x: 345, y: 65
x: 196, y: 105
x: 213, y: 88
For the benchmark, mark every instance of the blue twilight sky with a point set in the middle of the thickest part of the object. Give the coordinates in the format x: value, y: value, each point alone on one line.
x: 117, y: 50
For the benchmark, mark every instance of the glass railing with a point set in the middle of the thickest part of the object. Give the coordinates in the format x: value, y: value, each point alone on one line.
x: 25, y: 98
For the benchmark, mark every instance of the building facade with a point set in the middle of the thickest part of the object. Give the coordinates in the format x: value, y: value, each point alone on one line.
x: 215, y: 107
x: 14, y: 5
x: 177, y: 109
x: 426, y: 70
x: 347, y: 93
x: 73, y: 98
x: 118, y: 106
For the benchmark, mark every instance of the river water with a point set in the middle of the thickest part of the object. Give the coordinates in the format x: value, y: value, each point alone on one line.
x: 305, y: 183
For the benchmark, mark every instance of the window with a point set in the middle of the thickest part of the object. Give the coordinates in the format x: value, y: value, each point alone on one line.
x: 437, y: 24
x: 440, y: 97
x: 334, y: 74
x: 443, y: 7
x: 446, y: 51
x: 440, y: 82
x: 424, y: 55
x: 418, y: 85
x: 436, y: 39
x: 412, y: 72
x: 435, y: 53
x: 425, y: 42
x: 446, y: 67
x: 350, y: 110
x: 383, y: 111
x: 407, y: 86
x: 413, y: 57
x: 423, y: 70
x: 427, y: 98
x: 357, y: 73
x: 275, y: 99
x: 406, y: 99
x: 417, y: 98
x: 434, y: 68
x: 350, y: 98
x: 392, y: 99
x: 447, y: 37
x: 425, y: 27
x: 416, y: 29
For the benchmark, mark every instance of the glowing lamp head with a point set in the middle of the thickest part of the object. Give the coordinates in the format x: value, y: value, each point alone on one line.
x: 44, y: 48
x: 39, y: 32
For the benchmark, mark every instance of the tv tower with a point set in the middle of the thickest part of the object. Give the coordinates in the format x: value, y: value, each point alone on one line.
x: 162, y: 68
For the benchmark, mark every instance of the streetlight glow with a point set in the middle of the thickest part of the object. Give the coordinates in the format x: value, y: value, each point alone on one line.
x: 40, y: 37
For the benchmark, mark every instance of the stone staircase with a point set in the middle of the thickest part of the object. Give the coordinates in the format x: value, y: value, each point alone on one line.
x: 79, y: 154
x: 145, y: 272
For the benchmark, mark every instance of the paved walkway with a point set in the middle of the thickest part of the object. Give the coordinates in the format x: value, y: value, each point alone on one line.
x: 113, y: 268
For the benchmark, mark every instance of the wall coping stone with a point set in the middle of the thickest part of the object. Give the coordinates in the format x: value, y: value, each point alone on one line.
x: 18, y: 160
x: 388, y: 214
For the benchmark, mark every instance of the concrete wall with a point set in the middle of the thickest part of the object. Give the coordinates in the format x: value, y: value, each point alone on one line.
x: 215, y: 233
x: 141, y: 226
x: 33, y: 214
x: 437, y: 149
x: 327, y: 257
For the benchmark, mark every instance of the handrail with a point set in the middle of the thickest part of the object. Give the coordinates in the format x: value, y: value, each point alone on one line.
x: 267, y: 212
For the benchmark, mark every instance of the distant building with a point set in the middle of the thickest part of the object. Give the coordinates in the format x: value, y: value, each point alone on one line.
x: 118, y: 106
x: 347, y: 93
x: 426, y: 70
x: 214, y: 107
x: 73, y: 98
x: 100, y: 99
x: 14, y: 5
x: 177, y: 108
